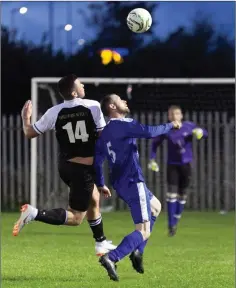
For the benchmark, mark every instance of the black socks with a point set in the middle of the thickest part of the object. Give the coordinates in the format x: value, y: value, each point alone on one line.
x: 97, y: 229
x: 54, y: 217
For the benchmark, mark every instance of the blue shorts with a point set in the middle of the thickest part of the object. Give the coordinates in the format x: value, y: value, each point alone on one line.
x: 138, y: 198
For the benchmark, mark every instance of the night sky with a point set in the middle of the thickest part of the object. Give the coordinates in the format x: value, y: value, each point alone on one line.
x: 170, y: 15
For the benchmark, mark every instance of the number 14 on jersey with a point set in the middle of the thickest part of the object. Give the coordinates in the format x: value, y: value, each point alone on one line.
x: 80, y: 132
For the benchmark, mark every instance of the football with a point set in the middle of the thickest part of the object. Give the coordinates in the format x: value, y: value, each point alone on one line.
x: 139, y: 20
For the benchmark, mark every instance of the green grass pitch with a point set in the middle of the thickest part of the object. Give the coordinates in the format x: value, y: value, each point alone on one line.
x: 43, y: 256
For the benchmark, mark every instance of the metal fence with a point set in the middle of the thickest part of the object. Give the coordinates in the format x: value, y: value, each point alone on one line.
x: 213, y: 177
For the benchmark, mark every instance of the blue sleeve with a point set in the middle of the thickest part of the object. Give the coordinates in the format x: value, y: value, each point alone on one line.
x: 155, y: 143
x: 98, y: 163
x: 133, y: 129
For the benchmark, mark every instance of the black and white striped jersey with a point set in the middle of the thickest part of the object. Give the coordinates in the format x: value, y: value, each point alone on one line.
x: 76, y: 123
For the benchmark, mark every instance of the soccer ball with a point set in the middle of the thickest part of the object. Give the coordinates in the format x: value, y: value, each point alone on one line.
x: 139, y: 20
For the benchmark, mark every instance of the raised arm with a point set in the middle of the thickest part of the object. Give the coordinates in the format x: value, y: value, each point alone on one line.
x: 45, y: 123
x: 98, y: 163
x: 133, y: 129
x: 26, y: 114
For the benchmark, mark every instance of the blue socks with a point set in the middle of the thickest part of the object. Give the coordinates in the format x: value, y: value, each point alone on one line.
x: 127, y: 246
x: 144, y: 243
x: 171, y: 208
x: 130, y: 243
x: 179, y: 210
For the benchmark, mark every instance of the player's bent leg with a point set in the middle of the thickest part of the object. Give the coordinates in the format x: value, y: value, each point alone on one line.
x: 131, y: 242
x: 136, y: 256
x: 58, y: 216
x: 74, y: 217
x: 94, y: 217
x: 135, y: 195
x: 79, y: 199
x: 127, y: 245
x: 28, y: 214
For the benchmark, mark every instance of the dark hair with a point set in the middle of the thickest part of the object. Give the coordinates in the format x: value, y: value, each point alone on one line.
x: 65, y: 86
x: 105, y: 103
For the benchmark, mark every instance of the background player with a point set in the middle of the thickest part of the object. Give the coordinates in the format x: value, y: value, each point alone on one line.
x: 118, y: 144
x: 180, y: 156
x: 76, y: 122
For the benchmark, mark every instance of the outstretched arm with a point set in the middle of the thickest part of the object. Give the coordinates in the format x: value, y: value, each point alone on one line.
x: 133, y: 129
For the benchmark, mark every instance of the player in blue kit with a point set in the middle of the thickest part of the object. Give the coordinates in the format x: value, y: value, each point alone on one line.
x: 117, y: 143
x: 180, y: 156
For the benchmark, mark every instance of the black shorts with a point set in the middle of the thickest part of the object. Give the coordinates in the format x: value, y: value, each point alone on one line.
x: 80, y: 178
x: 179, y: 175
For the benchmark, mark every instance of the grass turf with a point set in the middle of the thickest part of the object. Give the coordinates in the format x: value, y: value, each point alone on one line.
x: 200, y: 256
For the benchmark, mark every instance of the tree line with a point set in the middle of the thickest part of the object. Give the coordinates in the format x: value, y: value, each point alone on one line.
x: 198, y: 51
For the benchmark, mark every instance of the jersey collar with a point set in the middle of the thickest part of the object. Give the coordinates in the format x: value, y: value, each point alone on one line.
x: 72, y: 100
x: 115, y: 119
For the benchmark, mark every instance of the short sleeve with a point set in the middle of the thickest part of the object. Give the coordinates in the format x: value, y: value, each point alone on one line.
x: 45, y: 123
x: 99, y: 118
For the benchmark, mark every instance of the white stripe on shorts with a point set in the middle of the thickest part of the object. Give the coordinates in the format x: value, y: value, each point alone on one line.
x: 143, y: 201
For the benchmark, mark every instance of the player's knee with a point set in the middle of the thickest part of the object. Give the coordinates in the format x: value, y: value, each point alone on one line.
x: 155, y: 206
x: 182, y: 198
x: 146, y: 234
x: 171, y: 196
x: 144, y: 229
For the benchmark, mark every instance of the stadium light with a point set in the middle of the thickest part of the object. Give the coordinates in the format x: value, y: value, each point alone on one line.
x: 68, y: 27
x: 107, y: 55
x: 117, y: 58
x: 14, y: 11
x: 81, y: 42
x: 23, y: 10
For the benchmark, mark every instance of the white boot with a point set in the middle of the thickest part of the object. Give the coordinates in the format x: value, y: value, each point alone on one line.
x: 104, y: 247
x: 28, y: 213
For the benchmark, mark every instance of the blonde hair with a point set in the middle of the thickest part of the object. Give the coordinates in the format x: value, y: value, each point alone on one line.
x: 174, y: 107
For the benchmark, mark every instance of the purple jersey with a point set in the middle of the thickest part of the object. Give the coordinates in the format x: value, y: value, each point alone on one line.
x: 179, y: 144
x: 117, y: 143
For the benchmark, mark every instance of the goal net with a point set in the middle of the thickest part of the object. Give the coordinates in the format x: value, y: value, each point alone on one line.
x: 208, y: 102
